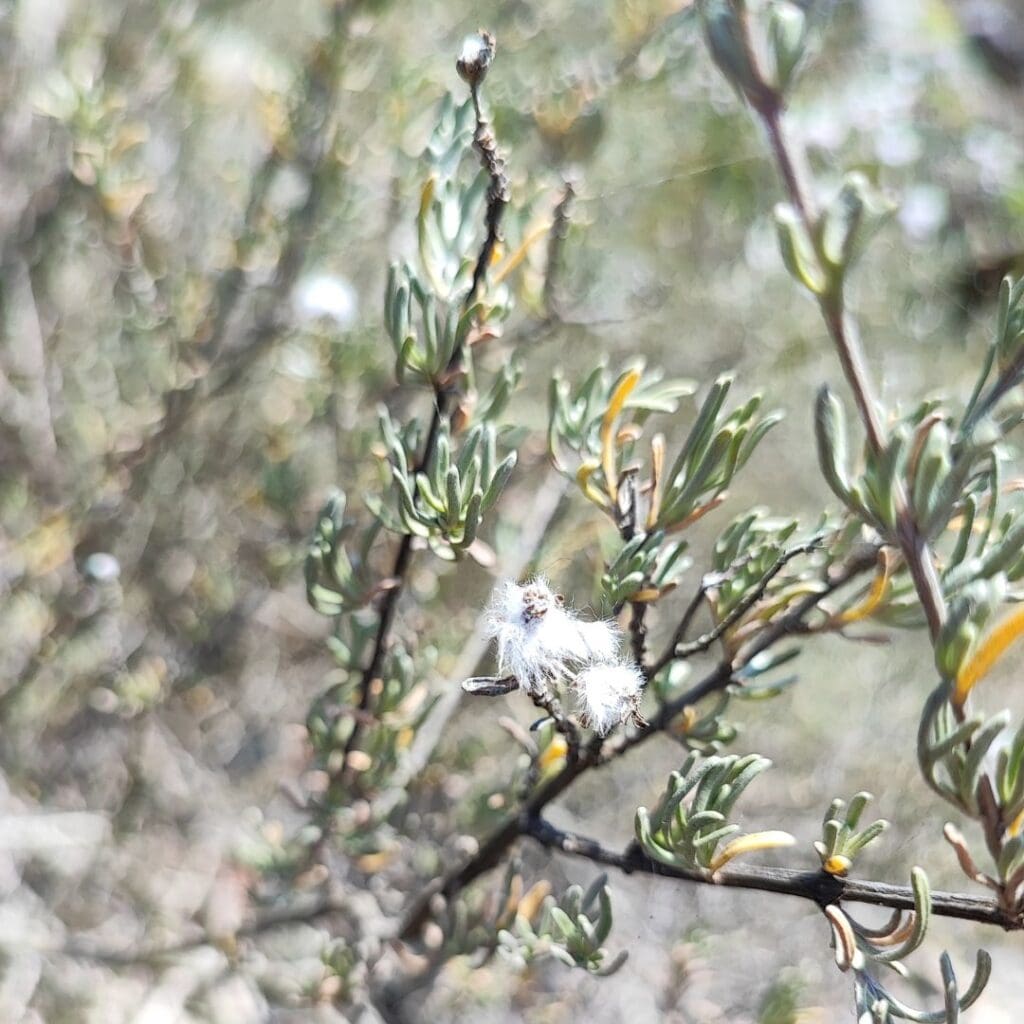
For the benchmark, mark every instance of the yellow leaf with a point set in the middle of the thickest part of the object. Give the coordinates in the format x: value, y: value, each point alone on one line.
x: 687, y: 719
x: 583, y: 475
x: 1016, y: 825
x: 987, y: 654
x: 875, y: 595
x: 844, y: 940
x: 622, y: 391
x: 698, y: 513
x: 519, y: 255
x: 530, y: 904
x: 554, y: 753
x: 750, y: 844
x: 786, y: 596
x: 371, y: 863
x: 515, y: 894
x: 837, y: 865
x: 426, y: 199
x: 657, y: 471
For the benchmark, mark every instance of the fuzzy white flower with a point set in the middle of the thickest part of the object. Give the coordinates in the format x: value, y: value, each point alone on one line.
x: 607, y: 695
x: 601, y: 639
x: 539, y: 640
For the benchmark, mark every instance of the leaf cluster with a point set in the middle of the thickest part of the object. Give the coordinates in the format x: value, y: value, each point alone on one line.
x: 572, y: 930
x: 692, y: 818
x: 445, y: 502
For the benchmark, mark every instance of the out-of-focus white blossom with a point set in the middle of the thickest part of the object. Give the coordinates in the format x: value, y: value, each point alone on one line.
x: 607, y: 695
x: 539, y: 640
x: 328, y: 296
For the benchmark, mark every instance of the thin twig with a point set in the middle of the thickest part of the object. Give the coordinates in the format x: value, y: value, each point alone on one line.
x: 627, y: 515
x: 498, y: 192
x: 552, y: 707
x: 817, y: 886
x: 445, y: 395
x: 679, y: 650
x: 599, y: 752
x: 702, y: 643
x: 556, y: 241
x: 920, y: 563
x: 708, y: 581
x: 298, y: 913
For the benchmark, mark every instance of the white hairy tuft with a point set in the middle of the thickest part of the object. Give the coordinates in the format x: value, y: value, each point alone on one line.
x: 539, y: 640
x: 607, y: 695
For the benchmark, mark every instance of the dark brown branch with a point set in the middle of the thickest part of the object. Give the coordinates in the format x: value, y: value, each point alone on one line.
x: 498, y: 191
x: 707, y: 582
x: 678, y: 649
x: 598, y: 752
x: 388, y: 608
x: 445, y: 396
x: 627, y: 515
x: 550, y: 704
x: 723, y: 673
x: 638, y: 634
x: 851, y: 358
x: 817, y: 886
x: 497, y: 844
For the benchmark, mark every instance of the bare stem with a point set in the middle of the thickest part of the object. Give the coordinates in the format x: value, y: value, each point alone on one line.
x: 498, y: 192
x: 627, y: 516
x: 789, y: 159
x: 550, y: 705
x: 280, y: 917
x: 817, y: 886
x: 598, y: 752
x: 678, y: 649
x: 445, y: 395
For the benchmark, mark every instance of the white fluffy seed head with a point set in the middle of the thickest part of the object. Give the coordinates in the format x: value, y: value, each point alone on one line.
x: 607, y: 695
x: 539, y: 640
x: 602, y: 639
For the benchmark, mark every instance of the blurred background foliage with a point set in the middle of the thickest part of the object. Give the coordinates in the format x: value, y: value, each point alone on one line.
x: 198, y: 204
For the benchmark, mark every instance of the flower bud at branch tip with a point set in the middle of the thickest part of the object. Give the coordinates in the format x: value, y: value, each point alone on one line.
x: 475, y: 58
